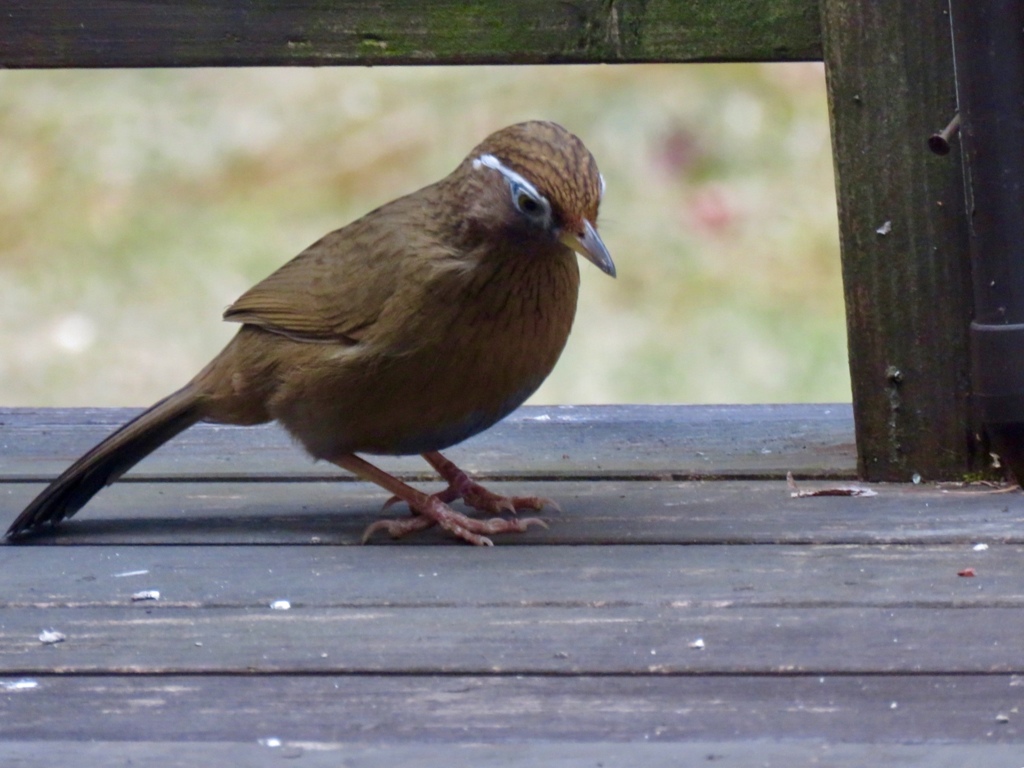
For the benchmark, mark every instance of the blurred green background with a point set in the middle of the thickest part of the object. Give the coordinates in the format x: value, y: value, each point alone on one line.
x: 136, y: 205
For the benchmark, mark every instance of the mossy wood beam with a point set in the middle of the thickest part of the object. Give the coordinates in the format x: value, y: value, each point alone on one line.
x: 903, y: 233
x: 183, y: 33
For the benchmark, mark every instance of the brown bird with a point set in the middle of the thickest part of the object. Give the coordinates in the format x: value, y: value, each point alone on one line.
x: 409, y: 330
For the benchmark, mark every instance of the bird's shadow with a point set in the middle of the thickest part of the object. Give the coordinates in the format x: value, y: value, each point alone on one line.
x: 297, y: 528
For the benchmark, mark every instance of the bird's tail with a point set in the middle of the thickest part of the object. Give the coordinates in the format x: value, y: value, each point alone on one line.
x: 110, y: 459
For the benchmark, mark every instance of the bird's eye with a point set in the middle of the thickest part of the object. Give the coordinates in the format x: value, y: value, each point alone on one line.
x: 529, y: 203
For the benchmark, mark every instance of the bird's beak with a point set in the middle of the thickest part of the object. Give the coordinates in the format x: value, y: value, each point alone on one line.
x: 588, y: 244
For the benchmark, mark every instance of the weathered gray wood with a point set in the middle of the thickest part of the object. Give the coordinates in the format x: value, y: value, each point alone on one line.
x: 725, y: 754
x: 509, y: 640
x: 906, y: 267
x: 128, y: 33
x: 541, y: 441
x: 651, y: 577
x: 720, y: 512
x: 399, y: 711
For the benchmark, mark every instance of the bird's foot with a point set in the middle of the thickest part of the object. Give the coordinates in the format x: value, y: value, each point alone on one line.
x: 434, y: 511
x: 483, y: 500
x: 462, y: 486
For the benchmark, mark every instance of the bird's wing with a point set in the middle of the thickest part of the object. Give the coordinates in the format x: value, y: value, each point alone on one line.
x: 330, y: 293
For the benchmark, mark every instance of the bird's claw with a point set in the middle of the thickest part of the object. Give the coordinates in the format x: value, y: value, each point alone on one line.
x: 387, y: 505
x: 484, y: 500
x: 396, y: 529
x: 479, y: 498
x: 462, y: 486
x: 447, y: 496
x: 436, y: 512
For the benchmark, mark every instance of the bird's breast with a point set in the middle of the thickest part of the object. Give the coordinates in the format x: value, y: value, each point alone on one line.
x: 481, y: 349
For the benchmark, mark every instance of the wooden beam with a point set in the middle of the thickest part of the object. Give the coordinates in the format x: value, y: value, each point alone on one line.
x: 906, y: 270
x: 606, y: 610
x: 721, y: 512
x: 162, y: 33
x: 563, y: 441
x: 497, y: 722
x: 524, y: 641
x: 424, y: 748
x: 712, y: 577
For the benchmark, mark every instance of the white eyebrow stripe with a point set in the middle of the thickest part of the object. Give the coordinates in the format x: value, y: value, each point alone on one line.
x: 492, y: 162
x: 603, y: 184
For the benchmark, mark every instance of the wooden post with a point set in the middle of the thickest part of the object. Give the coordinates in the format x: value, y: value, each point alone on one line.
x: 990, y: 88
x: 906, y: 270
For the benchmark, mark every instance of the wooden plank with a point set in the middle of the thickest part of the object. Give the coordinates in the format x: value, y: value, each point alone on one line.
x: 608, y: 611
x: 654, y: 577
x: 513, y: 641
x: 767, y: 576
x: 521, y: 641
x: 748, y: 512
x: 401, y: 711
x: 157, y: 33
x: 903, y: 236
x: 728, y: 754
x: 725, y: 754
x: 534, y: 442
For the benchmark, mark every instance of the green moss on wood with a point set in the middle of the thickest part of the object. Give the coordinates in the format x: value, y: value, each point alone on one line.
x: 87, y: 33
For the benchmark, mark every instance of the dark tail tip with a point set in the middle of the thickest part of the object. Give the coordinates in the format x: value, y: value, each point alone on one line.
x: 106, y: 462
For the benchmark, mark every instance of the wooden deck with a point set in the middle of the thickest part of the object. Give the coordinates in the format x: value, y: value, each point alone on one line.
x: 835, y: 630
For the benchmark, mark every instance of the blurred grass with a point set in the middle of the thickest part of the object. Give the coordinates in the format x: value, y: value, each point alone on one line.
x: 136, y: 205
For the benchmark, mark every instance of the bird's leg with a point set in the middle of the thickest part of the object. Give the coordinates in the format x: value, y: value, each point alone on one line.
x: 462, y: 486
x: 430, y: 510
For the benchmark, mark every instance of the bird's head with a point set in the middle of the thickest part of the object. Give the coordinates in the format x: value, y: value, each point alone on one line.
x: 543, y: 181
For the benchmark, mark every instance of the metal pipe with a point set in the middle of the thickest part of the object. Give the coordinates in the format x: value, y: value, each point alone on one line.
x: 988, y: 43
x: 939, y: 142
